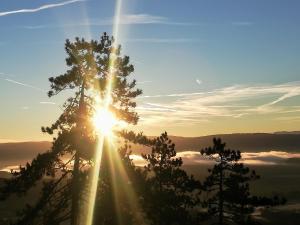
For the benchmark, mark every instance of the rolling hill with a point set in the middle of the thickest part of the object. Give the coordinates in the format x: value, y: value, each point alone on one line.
x: 247, y: 142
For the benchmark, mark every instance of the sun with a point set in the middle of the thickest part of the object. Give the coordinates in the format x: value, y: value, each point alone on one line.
x: 104, y: 121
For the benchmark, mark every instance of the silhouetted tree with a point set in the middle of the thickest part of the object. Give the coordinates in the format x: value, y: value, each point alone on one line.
x: 120, y: 187
x: 171, y: 194
x: 228, y: 187
x: 89, y: 72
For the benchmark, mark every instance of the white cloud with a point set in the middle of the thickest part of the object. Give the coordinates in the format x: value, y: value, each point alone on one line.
x: 138, y: 160
x: 151, y: 19
x: 198, y: 81
x: 142, y: 19
x: 233, y: 101
x: 163, y: 40
x: 172, y: 95
x: 43, y: 7
x: 141, y: 108
x: 291, y: 93
x: 195, y: 158
x: 8, y: 169
x: 144, y: 82
x: 125, y: 19
x: 257, y: 158
x: 48, y: 103
x: 268, y: 158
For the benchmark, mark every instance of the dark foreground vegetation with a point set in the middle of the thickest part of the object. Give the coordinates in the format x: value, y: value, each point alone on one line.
x: 160, y: 193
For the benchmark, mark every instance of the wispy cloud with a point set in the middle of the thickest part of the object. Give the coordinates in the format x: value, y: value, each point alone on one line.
x: 290, y: 93
x: 198, y: 81
x: 163, y: 40
x: 268, y: 158
x: 142, y: 19
x: 48, y: 103
x: 150, y: 19
x: 193, y: 158
x: 237, y: 92
x: 233, y: 102
x: 256, y: 158
x: 172, y: 95
x: 8, y: 169
x: 22, y: 84
x: 125, y: 19
x: 25, y: 107
x: 155, y: 107
x: 40, y: 8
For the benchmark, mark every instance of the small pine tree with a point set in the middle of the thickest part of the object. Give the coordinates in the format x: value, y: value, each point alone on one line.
x: 171, y: 193
x: 228, y: 187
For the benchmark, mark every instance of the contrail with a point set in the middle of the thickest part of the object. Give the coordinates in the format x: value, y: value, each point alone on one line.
x: 48, y: 103
x: 43, y: 7
x: 23, y: 84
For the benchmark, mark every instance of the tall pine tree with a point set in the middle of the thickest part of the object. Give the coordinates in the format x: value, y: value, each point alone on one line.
x: 89, y: 72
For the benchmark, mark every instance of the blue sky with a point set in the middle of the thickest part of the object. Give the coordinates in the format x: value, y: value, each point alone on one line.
x: 205, y: 66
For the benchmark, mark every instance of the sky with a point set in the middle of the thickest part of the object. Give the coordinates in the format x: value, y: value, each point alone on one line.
x: 205, y: 67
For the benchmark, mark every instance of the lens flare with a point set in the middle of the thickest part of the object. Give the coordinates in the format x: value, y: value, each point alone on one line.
x: 98, y: 153
x: 120, y: 178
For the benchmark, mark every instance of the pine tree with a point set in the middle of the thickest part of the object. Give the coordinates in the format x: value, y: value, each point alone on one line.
x: 215, y: 182
x: 228, y: 187
x: 89, y: 72
x: 171, y: 194
x: 120, y: 186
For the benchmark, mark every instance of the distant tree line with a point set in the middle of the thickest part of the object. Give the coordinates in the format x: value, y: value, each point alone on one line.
x: 160, y: 193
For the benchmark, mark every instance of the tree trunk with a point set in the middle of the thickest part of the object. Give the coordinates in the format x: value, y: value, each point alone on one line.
x: 75, y: 181
x: 75, y: 191
x: 221, y: 200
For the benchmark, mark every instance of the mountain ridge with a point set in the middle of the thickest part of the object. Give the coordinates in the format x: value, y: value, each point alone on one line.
x: 246, y: 142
